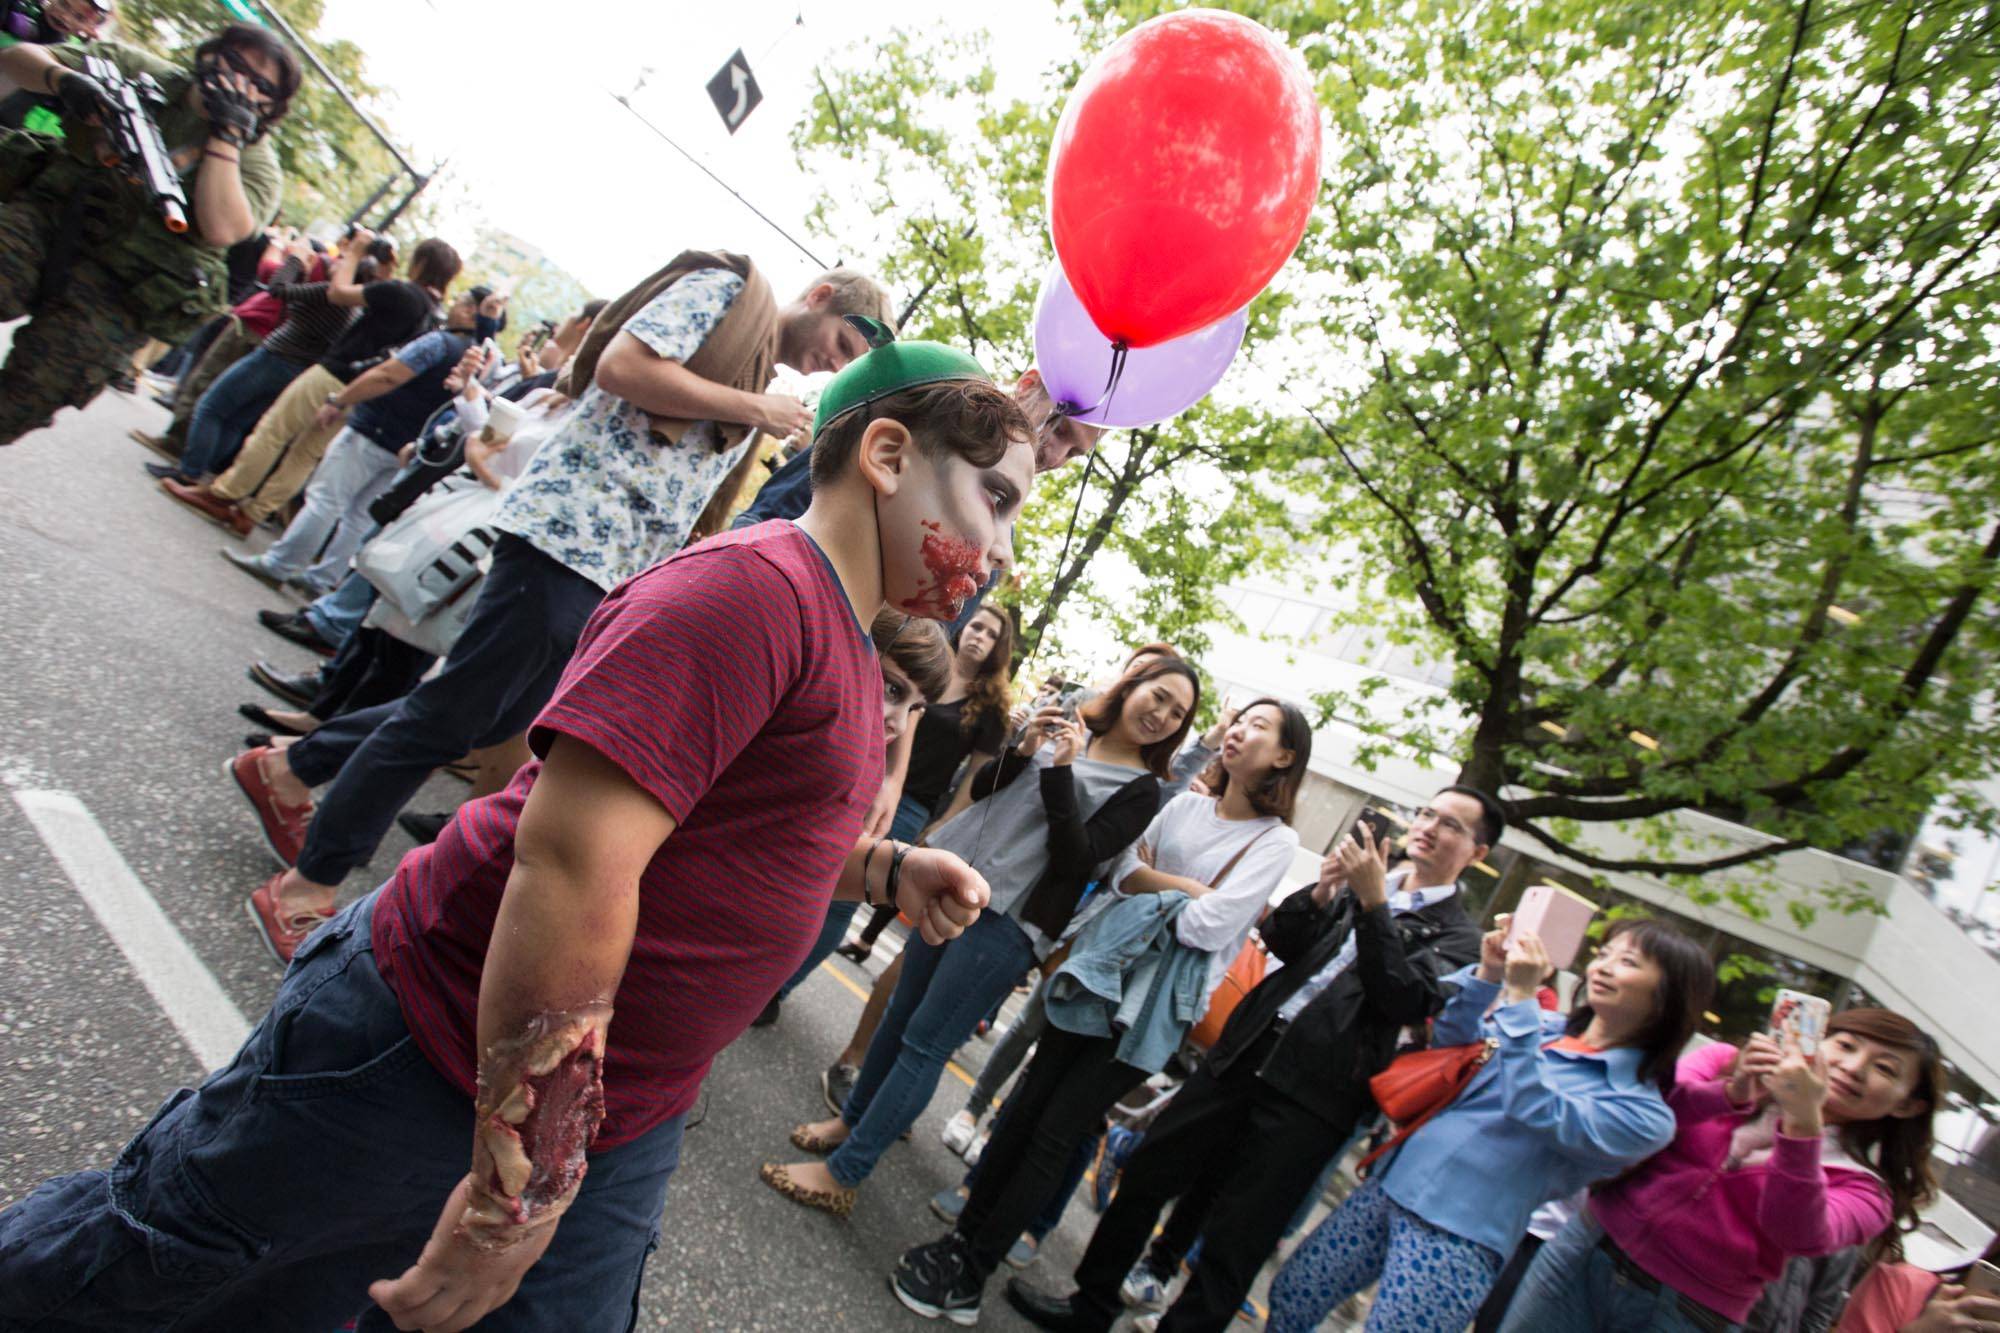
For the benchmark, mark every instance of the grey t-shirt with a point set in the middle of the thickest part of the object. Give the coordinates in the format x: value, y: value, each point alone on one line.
x: 1005, y: 837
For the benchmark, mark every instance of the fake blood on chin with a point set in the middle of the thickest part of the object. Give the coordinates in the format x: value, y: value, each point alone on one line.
x: 954, y: 567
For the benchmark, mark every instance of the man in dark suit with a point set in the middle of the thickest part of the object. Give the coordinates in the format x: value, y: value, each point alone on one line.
x: 1287, y: 1082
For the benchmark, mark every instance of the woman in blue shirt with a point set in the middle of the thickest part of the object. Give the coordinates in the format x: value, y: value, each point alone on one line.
x: 1561, y: 1103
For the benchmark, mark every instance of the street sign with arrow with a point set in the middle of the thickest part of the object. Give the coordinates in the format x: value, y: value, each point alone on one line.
x: 734, y: 91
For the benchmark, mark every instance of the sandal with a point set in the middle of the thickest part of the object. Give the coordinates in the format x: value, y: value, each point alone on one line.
x: 838, y: 1202
x: 817, y: 1144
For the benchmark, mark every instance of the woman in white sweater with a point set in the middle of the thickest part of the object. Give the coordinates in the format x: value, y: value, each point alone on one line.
x: 1138, y: 977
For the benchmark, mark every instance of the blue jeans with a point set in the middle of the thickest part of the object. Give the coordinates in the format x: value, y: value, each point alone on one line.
x: 339, y: 613
x: 501, y: 672
x: 911, y: 815
x: 331, y: 525
x: 940, y: 998
x: 1431, y: 1281
x: 230, y: 409
x: 317, y: 1162
x: 1573, y: 1287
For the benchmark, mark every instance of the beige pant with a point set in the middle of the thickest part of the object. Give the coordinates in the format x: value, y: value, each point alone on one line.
x: 280, y: 455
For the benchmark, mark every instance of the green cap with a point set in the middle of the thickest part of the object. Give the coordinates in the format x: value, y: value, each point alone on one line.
x: 890, y: 367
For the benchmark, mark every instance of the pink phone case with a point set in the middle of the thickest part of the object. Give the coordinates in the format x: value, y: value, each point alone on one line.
x: 1561, y: 919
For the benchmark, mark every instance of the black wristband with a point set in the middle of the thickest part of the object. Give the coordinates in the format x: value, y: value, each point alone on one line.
x: 896, y: 872
x: 867, y: 860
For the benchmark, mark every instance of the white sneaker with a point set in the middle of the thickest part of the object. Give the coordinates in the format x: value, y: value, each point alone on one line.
x: 978, y: 1147
x: 1146, y: 1323
x: 1143, y: 1289
x: 958, y: 1132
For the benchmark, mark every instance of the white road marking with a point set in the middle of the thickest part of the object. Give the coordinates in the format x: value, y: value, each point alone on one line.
x: 185, y: 990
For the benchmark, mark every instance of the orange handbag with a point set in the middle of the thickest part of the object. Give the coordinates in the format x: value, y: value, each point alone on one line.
x: 1417, y: 1086
x: 1245, y: 971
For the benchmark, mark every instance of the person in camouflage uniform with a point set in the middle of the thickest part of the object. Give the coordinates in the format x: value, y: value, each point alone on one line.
x: 43, y: 23
x: 84, y: 252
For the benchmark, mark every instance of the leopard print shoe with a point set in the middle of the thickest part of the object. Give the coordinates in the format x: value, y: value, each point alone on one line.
x: 819, y: 1145
x: 838, y: 1202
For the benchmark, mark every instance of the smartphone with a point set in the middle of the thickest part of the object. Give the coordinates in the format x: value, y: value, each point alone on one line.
x: 1377, y: 824
x: 1983, y: 1279
x: 1801, y: 1017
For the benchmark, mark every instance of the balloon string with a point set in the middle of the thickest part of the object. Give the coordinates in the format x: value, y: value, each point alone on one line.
x: 1118, y: 351
x: 1082, y: 485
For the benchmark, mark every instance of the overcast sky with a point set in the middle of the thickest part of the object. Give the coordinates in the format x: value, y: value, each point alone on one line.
x: 518, y: 97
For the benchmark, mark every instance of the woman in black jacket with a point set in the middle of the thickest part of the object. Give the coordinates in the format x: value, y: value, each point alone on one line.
x: 1097, y: 787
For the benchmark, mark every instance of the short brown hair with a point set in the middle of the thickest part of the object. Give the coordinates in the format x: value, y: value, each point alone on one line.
x: 434, y: 264
x: 916, y: 645
x: 855, y: 293
x: 974, y: 419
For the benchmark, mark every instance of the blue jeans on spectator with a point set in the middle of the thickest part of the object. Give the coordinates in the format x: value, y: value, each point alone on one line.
x: 911, y: 815
x: 230, y: 409
x: 315, y: 1163
x: 501, y: 672
x: 943, y: 992
x: 330, y: 526
x: 339, y: 613
x: 1574, y: 1287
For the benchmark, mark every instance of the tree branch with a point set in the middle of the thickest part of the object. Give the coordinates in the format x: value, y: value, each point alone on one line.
x: 1639, y: 866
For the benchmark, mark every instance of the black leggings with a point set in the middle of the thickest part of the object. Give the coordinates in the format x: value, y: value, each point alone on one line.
x: 877, y: 924
x: 1061, y: 1100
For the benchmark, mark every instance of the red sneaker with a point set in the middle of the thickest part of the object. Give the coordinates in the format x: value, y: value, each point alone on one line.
x: 283, y: 931
x: 284, y: 825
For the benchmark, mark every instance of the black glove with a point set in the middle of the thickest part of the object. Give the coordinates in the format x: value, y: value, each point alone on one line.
x: 83, y: 97
x: 230, y: 115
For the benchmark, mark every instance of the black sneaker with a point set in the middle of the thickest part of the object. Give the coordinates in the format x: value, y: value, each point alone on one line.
x: 835, y: 1083
x: 937, y: 1282
x: 425, y: 828
x: 769, y: 1015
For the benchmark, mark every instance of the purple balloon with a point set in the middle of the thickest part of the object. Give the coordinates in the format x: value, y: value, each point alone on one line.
x: 1158, y: 382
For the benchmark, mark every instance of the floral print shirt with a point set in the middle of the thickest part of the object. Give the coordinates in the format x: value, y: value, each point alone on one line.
x: 603, y: 496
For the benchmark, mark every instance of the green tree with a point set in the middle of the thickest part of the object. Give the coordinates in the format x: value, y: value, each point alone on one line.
x: 1168, y: 513
x: 1679, y: 414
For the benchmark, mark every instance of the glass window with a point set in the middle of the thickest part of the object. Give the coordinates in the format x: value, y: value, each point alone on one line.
x: 1324, y: 806
x: 1257, y: 610
x: 1294, y: 621
x: 1405, y: 662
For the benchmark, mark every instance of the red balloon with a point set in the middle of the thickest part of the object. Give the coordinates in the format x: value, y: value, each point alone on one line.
x: 1182, y: 173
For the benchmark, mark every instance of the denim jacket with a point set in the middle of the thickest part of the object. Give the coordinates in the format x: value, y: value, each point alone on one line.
x: 1536, y: 1123
x: 1129, y: 976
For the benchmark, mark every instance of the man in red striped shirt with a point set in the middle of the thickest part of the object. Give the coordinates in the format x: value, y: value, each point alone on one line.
x: 552, y: 977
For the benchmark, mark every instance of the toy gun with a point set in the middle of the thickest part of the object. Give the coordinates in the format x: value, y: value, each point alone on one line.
x: 132, y: 138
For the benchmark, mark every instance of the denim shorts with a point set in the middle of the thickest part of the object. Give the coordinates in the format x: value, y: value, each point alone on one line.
x: 316, y: 1163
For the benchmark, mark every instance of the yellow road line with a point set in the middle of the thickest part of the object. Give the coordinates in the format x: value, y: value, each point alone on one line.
x: 827, y: 967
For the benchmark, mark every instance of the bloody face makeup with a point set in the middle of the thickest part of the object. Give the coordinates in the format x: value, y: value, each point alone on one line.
x: 947, y: 526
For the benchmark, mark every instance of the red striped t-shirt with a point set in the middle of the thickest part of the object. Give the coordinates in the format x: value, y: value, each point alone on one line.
x: 734, y: 684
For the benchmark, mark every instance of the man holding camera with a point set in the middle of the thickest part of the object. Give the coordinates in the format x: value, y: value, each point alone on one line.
x: 86, y: 254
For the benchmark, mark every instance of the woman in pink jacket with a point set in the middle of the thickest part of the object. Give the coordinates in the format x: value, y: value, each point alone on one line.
x: 1776, y: 1153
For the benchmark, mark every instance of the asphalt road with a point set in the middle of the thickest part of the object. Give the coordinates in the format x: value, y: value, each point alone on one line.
x: 123, y: 643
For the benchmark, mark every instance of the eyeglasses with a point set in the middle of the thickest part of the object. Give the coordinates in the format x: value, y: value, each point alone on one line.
x: 1443, y: 821
x: 237, y: 63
